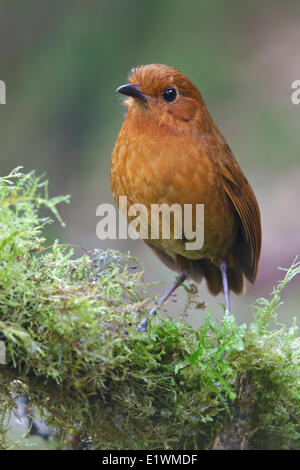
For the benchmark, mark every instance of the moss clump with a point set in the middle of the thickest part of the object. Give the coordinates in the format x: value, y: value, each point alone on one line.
x: 71, y: 346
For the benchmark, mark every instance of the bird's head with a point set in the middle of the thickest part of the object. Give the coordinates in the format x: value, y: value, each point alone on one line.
x: 165, y: 95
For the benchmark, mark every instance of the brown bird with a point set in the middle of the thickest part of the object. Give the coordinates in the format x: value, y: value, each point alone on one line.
x: 170, y: 151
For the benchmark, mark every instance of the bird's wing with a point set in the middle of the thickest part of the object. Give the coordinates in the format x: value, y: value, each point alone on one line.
x: 246, y: 206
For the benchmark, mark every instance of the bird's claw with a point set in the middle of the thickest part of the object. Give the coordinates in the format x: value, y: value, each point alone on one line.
x: 142, y: 327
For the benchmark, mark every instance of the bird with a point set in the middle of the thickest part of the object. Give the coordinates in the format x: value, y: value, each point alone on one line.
x: 170, y: 151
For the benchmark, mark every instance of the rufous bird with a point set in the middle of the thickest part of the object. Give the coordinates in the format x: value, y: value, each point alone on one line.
x: 169, y: 150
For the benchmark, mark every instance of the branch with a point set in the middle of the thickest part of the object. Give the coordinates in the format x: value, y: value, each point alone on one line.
x: 69, y: 328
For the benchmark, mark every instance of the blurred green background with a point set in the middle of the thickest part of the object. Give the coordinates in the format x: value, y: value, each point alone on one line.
x: 62, y: 62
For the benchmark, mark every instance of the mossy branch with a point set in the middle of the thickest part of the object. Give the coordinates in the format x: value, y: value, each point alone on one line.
x: 71, y: 346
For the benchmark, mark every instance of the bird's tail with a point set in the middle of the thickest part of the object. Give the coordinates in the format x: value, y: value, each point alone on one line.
x: 200, y: 268
x: 212, y: 274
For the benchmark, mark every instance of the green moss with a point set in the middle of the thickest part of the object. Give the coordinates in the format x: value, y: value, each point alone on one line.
x: 71, y: 346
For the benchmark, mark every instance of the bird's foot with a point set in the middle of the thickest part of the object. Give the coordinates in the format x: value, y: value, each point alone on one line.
x: 142, y: 327
x: 180, y: 279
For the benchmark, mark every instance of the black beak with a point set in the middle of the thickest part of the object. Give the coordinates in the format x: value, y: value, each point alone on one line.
x: 133, y: 91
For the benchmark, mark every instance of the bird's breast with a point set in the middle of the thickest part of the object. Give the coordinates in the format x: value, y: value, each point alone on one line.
x: 153, y: 169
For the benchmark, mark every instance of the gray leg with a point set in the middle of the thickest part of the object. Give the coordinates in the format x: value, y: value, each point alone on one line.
x: 181, y: 278
x: 225, y: 285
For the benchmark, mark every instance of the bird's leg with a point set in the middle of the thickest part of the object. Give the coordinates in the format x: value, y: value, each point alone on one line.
x: 180, y: 279
x: 223, y: 267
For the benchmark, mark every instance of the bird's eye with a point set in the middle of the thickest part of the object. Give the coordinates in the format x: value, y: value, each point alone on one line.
x: 169, y: 95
